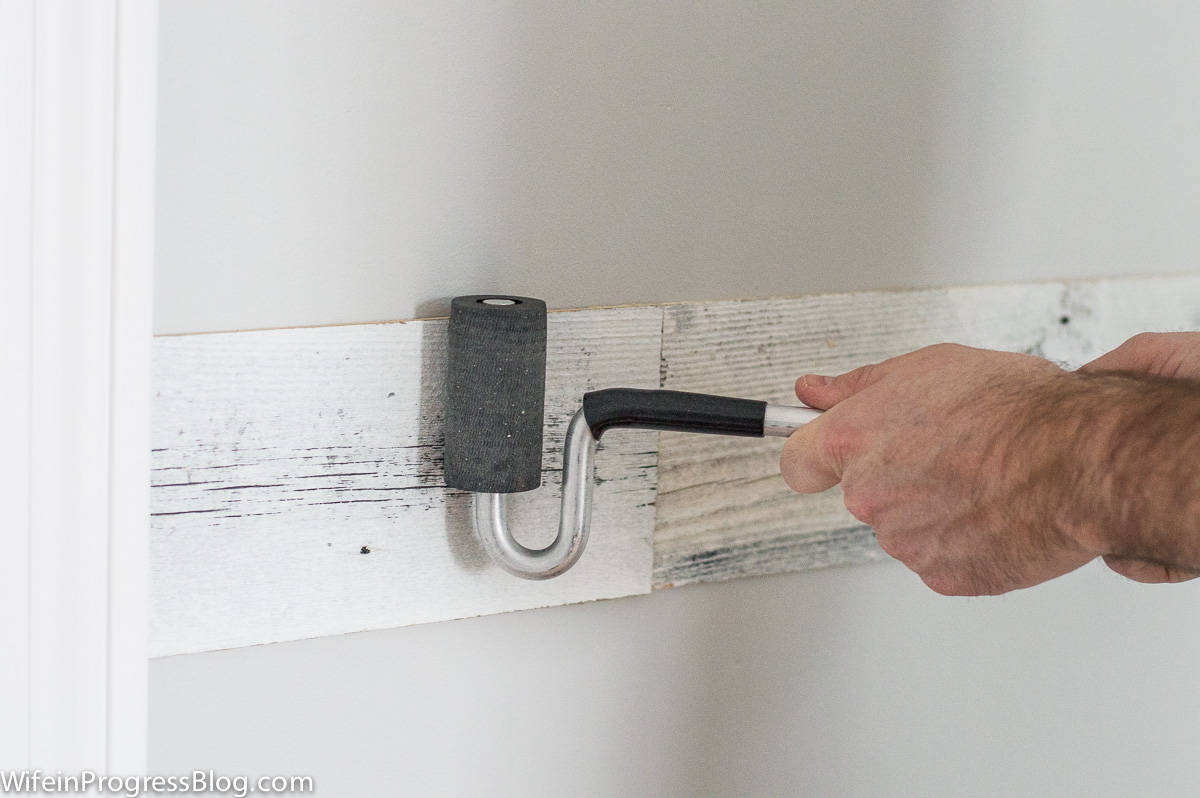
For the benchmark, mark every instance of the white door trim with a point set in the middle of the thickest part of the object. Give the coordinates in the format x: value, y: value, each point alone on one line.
x: 77, y: 93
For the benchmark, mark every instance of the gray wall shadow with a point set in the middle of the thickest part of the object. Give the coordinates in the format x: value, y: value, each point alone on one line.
x: 456, y: 505
x: 791, y: 143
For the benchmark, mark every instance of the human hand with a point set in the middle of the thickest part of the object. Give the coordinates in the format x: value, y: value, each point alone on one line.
x: 1172, y: 355
x: 952, y: 455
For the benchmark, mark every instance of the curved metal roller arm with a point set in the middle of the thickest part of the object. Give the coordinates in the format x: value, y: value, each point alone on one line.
x: 491, y: 526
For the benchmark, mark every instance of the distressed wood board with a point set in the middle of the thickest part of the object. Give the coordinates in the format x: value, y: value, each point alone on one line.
x: 723, y: 509
x: 280, y: 454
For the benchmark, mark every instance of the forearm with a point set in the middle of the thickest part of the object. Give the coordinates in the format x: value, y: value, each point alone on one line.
x: 1130, y: 481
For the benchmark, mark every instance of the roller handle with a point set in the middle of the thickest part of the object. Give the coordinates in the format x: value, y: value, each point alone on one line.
x: 672, y: 410
x: 690, y: 412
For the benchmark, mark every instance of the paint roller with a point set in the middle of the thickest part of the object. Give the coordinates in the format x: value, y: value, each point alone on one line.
x: 495, y: 386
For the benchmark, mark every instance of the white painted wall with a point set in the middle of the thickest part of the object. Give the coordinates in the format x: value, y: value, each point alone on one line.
x: 342, y: 161
x: 335, y: 161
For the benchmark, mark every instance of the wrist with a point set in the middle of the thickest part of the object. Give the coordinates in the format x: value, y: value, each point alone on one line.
x: 1070, y: 437
x: 1092, y: 516
x: 1131, y: 490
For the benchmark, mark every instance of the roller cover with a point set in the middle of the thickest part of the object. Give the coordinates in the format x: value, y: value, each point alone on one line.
x: 495, y: 385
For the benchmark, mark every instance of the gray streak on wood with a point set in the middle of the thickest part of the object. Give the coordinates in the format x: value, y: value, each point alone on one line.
x: 281, y: 455
x: 723, y: 509
x: 278, y: 455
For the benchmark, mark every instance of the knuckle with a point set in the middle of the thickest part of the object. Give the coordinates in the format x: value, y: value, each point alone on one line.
x: 854, y: 380
x: 865, y: 508
x: 1142, y: 339
x: 944, y: 349
x: 889, y: 545
x: 1142, y: 343
x: 897, y: 547
x: 945, y: 584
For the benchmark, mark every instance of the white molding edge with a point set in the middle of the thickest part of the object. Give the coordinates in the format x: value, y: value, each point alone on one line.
x: 132, y: 340
x: 16, y: 144
x: 78, y: 103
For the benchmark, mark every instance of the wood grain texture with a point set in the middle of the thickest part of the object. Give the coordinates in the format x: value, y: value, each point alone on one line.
x: 281, y: 456
x: 724, y: 511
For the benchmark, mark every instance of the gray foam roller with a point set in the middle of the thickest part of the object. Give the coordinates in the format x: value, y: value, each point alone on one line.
x: 495, y: 386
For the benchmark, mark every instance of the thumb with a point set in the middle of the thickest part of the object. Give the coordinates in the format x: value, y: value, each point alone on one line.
x: 823, y: 392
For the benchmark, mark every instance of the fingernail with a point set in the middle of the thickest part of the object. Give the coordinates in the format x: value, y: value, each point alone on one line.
x: 815, y: 380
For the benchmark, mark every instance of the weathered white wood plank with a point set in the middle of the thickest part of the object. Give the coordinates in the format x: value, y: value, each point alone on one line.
x: 281, y: 456
x: 724, y: 511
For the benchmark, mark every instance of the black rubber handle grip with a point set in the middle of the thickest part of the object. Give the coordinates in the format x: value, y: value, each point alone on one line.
x: 495, y: 387
x: 672, y: 410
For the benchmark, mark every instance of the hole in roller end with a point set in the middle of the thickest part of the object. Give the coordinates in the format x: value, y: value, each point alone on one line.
x: 498, y: 300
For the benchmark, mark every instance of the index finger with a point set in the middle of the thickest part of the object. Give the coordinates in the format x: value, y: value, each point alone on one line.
x: 808, y: 463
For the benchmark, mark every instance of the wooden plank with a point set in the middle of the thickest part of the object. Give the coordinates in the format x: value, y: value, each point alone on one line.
x: 280, y: 455
x: 724, y: 511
